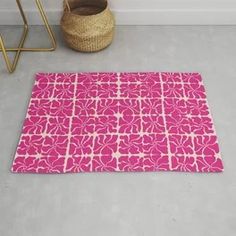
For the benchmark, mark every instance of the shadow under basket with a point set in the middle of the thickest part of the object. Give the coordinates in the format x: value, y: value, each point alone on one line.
x: 87, y: 26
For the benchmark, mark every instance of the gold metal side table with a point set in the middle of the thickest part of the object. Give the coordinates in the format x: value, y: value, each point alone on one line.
x: 11, y: 66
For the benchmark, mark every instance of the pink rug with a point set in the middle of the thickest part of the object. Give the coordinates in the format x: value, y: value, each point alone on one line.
x: 106, y: 122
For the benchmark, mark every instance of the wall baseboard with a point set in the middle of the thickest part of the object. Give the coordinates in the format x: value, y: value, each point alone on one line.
x: 139, y: 17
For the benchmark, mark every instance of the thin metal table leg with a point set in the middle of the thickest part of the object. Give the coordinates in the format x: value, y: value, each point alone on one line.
x: 12, y: 66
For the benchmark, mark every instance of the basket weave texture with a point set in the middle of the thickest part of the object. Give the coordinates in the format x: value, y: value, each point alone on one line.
x: 87, y: 26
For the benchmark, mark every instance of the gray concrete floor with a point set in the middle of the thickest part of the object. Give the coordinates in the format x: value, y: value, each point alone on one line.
x: 123, y: 204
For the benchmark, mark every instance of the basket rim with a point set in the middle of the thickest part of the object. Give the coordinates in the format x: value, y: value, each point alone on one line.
x: 97, y: 14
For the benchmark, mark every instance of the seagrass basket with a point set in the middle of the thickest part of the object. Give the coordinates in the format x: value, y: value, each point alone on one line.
x: 87, y: 25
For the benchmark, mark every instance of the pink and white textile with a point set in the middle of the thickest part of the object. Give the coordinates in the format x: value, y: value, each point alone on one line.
x: 124, y: 122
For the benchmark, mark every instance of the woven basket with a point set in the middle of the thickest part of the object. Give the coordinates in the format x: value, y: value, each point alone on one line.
x: 87, y: 25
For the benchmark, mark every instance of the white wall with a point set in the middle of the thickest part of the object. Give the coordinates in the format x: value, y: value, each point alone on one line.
x: 138, y: 11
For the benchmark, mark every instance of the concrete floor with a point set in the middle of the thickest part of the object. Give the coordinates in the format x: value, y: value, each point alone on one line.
x: 140, y: 204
